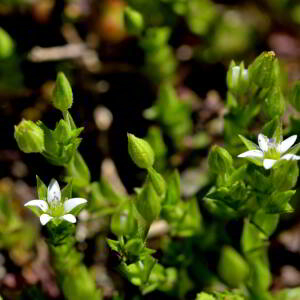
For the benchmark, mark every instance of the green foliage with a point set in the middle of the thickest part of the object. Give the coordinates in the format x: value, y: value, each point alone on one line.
x: 75, y: 280
x: 220, y: 296
x: 7, y: 45
x: 295, y: 96
x: 288, y: 294
x: 232, y: 267
x: 133, y: 20
x: 219, y: 160
x: 240, y: 191
x: 173, y: 114
x: 160, y: 62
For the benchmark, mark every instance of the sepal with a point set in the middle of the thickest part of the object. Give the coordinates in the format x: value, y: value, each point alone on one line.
x: 158, y: 182
x: 148, y: 203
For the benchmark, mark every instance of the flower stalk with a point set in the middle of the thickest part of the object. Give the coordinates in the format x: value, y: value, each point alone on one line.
x: 57, y: 211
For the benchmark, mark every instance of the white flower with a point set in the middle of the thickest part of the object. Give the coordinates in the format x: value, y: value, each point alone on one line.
x: 55, y: 207
x: 269, y: 151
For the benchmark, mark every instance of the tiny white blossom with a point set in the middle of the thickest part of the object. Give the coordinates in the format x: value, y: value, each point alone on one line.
x: 269, y: 151
x: 55, y: 207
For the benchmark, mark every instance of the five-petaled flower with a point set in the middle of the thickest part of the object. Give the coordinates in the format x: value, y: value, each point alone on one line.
x: 55, y: 207
x: 270, y: 151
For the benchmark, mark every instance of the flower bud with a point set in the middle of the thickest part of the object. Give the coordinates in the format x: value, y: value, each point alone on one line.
x: 62, y: 93
x: 148, y: 203
x: 264, y: 70
x: 140, y: 152
x: 237, y: 78
x: 219, y: 160
x: 62, y: 132
x: 6, y: 44
x: 232, y: 267
x: 30, y: 137
x: 133, y: 20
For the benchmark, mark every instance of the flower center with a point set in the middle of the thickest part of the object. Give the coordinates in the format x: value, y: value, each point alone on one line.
x: 272, y: 152
x: 56, y: 209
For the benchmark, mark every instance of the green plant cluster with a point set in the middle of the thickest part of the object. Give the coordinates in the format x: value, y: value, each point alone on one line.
x: 237, y: 188
x: 245, y: 191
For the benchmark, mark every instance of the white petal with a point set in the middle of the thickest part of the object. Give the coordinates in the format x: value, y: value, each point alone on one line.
x: 41, y: 204
x: 45, y: 218
x: 53, y: 191
x: 70, y: 218
x: 252, y: 153
x: 263, y: 142
x: 72, y: 203
x: 290, y: 156
x: 268, y: 163
x: 287, y: 144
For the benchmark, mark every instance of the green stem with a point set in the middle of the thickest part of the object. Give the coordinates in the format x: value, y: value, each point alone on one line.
x: 74, y: 278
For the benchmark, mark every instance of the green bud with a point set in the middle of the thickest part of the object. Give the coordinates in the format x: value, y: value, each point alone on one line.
x: 62, y: 93
x: 62, y: 132
x: 274, y: 103
x: 6, y: 44
x: 148, y: 203
x: 232, y: 267
x: 219, y: 160
x: 237, y: 78
x: 158, y: 182
x: 295, y: 96
x: 30, y: 137
x: 133, y: 20
x: 264, y: 70
x: 140, y: 152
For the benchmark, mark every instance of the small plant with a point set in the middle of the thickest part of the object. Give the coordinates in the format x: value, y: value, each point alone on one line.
x: 256, y: 190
